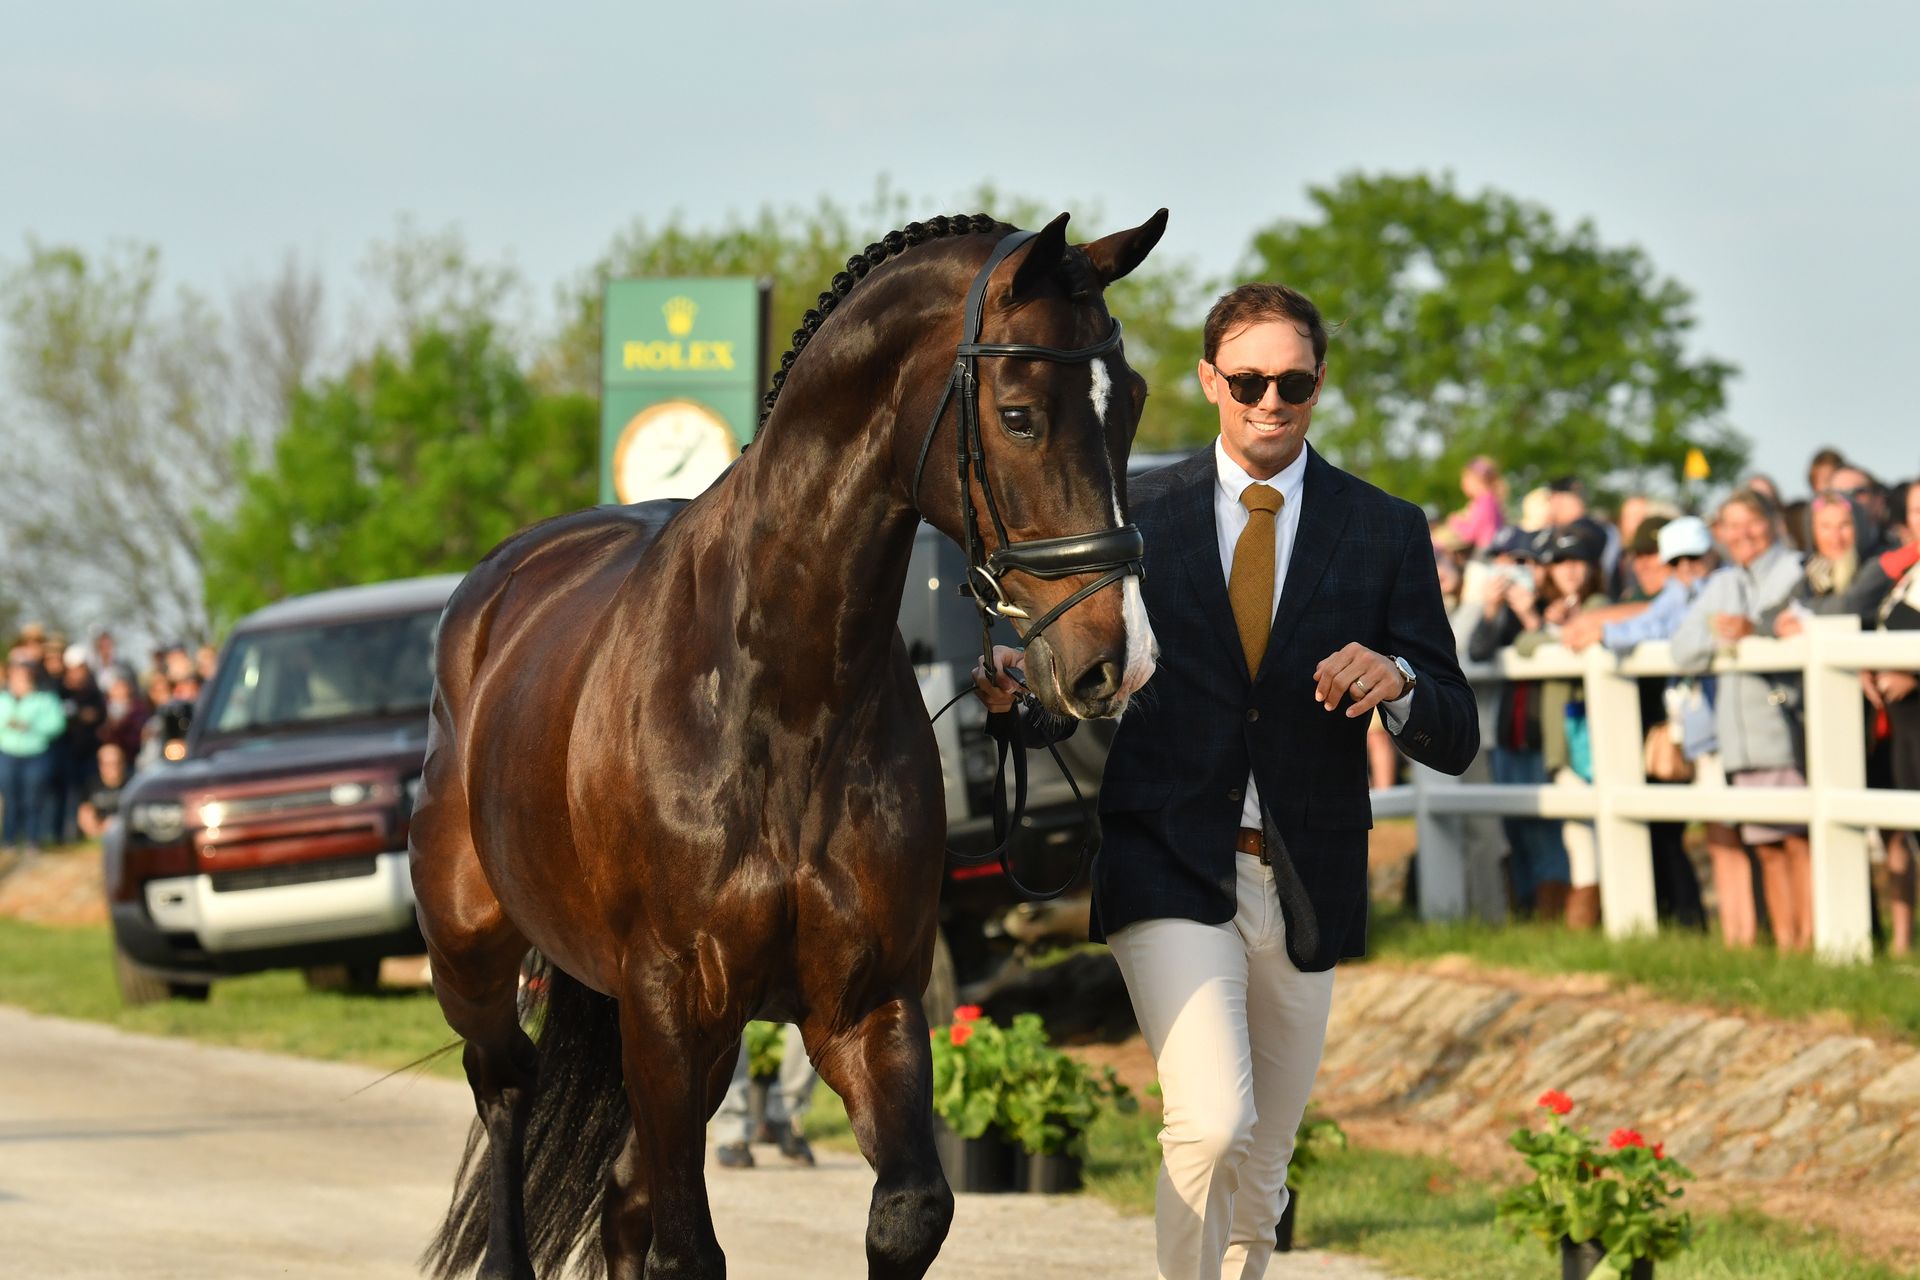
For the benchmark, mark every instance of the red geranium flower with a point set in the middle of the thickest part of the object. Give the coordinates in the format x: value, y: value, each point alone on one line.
x: 1621, y: 1139
x: 967, y: 1013
x: 959, y: 1032
x: 1556, y: 1102
x: 1659, y: 1151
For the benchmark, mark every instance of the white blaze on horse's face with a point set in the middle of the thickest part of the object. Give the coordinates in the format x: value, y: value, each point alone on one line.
x: 1100, y: 390
x: 1141, y: 646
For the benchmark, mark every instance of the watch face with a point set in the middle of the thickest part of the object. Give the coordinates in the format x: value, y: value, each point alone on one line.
x: 673, y: 449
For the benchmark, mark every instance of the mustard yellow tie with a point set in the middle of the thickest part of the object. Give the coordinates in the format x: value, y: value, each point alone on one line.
x: 1250, y: 585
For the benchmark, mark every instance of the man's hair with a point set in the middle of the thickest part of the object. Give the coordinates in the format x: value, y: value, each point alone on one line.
x: 1259, y: 301
x: 1826, y: 457
x: 1756, y: 503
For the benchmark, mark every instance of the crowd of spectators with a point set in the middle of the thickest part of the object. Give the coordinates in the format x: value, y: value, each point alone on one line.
x: 76, y: 724
x: 1549, y: 569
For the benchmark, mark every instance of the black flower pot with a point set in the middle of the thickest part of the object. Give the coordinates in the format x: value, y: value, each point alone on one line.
x: 1577, y: 1261
x: 1049, y: 1175
x: 1283, y: 1232
x: 987, y: 1163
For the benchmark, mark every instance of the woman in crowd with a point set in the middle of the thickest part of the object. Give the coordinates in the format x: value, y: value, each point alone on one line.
x: 1509, y: 609
x: 30, y: 723
x: 1575, y: 581
x: 1476, y: 523
x: 1757, y: 716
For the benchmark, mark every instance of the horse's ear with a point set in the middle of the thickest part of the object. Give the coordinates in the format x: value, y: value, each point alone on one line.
x: 1042, y: 261
x: 1116, y: 255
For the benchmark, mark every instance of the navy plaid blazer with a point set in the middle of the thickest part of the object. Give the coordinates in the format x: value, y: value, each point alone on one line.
x: 1362, y: 569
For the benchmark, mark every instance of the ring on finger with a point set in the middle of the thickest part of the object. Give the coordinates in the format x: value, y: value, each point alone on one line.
x: 1361, y: 684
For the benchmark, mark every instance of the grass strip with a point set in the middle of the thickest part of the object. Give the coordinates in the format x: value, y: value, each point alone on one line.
x: 68, y: 971
x: 1881, y: 997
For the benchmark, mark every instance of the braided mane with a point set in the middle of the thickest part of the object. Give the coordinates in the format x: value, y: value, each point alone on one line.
x: 888, y: 246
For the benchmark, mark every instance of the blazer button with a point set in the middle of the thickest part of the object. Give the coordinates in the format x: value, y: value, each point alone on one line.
x: 1234, y: 795
x: 1253, y: 713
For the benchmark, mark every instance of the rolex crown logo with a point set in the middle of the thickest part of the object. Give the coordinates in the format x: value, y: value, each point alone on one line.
x: 680, y: 312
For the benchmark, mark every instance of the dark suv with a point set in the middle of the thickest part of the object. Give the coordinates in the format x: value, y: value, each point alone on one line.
x: 280, y: 840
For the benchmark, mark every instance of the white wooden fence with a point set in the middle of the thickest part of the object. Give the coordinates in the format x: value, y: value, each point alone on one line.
x: 1835, y: 804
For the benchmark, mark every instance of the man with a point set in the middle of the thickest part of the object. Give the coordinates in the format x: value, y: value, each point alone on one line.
x: 1289, y: 600
x: 102, y: 804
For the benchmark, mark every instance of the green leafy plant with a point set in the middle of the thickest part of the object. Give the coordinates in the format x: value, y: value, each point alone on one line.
x: 1621, y: 1195
x: 765, y: 1044
x: 1010, y: 1080
x: 1317, y: 1137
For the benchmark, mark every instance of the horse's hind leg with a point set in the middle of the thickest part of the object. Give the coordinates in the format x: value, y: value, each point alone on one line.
x: 883, y: 1070
x: 663, y: 1225
x: 476, y: 954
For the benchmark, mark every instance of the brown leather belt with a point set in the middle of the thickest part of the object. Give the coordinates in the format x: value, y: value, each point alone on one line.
x: 1253, y: 841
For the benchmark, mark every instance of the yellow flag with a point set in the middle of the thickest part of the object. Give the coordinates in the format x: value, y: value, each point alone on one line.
x: 1696, y: 467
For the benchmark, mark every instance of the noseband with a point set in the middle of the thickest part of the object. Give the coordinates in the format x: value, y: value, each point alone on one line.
x: 1112, y: 553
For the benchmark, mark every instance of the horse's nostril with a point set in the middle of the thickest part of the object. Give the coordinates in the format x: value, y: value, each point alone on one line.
x: 1101, y: 680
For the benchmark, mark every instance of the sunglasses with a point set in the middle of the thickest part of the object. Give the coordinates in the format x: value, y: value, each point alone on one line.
x: 1296, y: 387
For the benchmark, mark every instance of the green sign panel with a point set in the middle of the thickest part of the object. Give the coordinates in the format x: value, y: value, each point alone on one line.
x: 682, y: 365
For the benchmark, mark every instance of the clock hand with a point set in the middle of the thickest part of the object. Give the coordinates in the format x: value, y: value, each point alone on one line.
x: 685, y: 458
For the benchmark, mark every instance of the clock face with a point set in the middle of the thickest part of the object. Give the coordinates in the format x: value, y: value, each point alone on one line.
x: 673, y: 449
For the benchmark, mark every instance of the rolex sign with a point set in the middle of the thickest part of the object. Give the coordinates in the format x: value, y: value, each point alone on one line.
x: 682, y: 372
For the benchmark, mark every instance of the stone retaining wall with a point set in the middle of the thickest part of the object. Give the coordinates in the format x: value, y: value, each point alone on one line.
x: 1738, y: 1099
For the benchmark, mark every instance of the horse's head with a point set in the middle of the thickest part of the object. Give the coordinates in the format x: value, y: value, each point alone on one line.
x: 1056, y: 406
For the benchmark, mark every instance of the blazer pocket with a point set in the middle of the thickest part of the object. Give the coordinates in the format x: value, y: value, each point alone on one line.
x: 1335, y: 813
x: 1118, y: 795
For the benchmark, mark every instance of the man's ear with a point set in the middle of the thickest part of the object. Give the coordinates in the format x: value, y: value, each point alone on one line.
x: 1116, y: 255
x: 1041, y: 261
x: 1209, y: 383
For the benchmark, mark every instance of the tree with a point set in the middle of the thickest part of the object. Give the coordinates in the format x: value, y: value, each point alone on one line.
x: 800, y: 251
x: 131, y: 415
x: 415, y: 460
x: 1474, y: 324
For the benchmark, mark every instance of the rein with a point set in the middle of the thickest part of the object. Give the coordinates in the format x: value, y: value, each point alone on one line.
x: 1114, y: 554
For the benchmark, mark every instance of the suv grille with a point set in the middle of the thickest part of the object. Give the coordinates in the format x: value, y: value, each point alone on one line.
x: 297, y: 873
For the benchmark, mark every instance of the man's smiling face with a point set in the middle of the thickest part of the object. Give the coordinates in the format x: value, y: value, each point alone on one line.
x: 1264, y: 437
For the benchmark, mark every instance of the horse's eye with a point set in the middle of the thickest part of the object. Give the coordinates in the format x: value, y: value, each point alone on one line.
x: 1019, y: 421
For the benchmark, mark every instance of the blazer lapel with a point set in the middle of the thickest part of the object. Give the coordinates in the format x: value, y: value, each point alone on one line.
x: 1322, y: 518
x: 1199, y: 538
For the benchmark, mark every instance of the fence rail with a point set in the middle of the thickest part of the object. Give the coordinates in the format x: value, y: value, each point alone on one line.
x: 1835, y: 805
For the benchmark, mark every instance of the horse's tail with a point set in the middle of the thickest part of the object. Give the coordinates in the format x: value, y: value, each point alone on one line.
x: 578, y: 1124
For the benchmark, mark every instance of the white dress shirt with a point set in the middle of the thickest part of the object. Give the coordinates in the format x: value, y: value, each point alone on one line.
x: 1229, y: 522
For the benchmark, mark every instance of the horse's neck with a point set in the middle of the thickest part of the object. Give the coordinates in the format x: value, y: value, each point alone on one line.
x: 821, y: 540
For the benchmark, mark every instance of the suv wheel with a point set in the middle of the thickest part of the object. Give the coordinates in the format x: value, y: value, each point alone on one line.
x: 143, y: 986
x: 361, y: 978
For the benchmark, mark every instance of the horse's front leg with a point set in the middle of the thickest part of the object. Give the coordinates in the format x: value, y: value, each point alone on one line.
x: 661, y: 1224
x: 883, y: 1070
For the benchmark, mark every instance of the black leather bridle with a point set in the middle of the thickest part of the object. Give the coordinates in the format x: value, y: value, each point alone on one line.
x: 1114, y: 554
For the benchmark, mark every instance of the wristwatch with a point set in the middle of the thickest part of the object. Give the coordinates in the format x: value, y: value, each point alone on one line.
x: 1406, y: 673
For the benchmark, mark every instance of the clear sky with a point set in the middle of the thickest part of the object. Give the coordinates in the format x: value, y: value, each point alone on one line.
x: 1763, y: 154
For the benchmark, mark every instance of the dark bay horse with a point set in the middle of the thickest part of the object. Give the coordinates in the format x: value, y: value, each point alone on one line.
x: 678, y: 749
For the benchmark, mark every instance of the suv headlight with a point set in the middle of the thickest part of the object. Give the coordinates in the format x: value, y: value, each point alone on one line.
x: 162, y: 821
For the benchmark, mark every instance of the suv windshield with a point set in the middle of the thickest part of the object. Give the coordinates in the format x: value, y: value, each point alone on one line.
x: 370, y: 668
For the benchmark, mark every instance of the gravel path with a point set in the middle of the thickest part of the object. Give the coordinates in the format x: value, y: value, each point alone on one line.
x: 128, y: 1155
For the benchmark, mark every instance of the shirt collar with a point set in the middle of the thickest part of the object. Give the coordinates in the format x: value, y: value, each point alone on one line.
x: 1233, y: 481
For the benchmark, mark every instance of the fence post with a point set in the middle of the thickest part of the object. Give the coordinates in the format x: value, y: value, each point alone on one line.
x: 1836, y: 736
x: 1440, y: 856
x: 1626, y: 849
